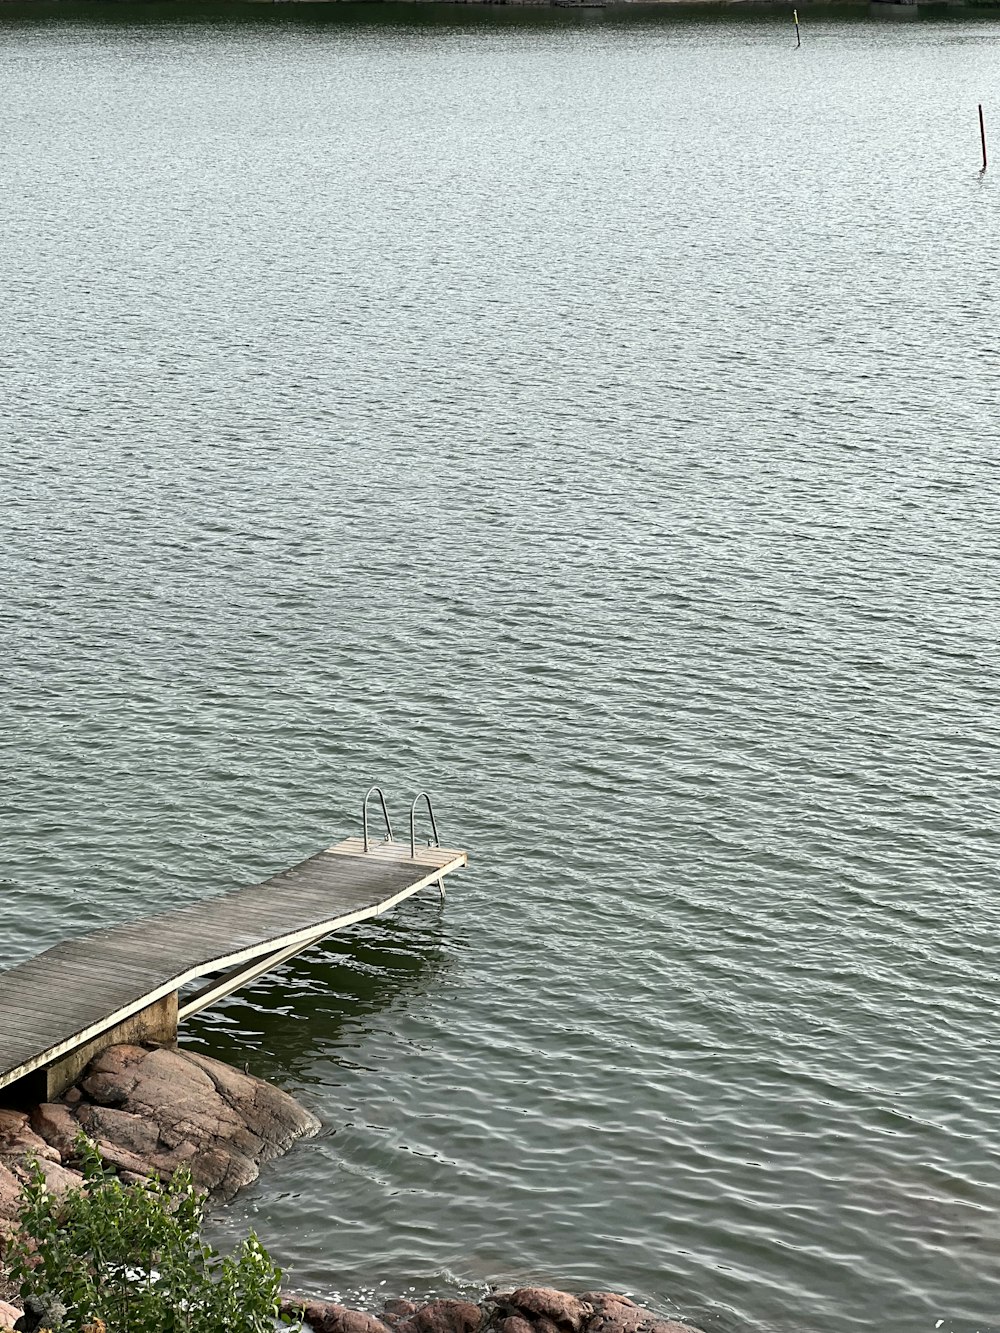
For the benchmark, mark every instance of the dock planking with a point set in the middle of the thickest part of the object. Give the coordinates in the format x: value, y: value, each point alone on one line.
x: 68, y: 999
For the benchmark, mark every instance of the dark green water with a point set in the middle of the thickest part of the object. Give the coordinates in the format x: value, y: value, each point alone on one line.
x: 594, y: 422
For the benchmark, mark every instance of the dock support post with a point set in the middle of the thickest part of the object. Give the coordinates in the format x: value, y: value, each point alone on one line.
x: 982, y: 137
x: 156, y: 1025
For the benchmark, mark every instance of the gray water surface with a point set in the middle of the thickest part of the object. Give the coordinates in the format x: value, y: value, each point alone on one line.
x: 595, y: 423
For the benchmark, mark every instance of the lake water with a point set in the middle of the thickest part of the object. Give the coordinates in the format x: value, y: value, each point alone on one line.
x: 594, y: 422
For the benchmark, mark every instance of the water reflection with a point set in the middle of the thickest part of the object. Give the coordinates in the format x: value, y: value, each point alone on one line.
x: 284, y: 1020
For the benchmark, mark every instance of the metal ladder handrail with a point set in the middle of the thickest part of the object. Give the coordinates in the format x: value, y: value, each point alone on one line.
x: 434, y: 827
x: 434, y: 830
x: 385, y: 812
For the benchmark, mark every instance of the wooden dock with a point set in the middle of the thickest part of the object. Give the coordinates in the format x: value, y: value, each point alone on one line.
x: 60, y: 1009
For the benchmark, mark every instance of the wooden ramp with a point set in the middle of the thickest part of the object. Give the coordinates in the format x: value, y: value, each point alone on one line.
x: 61, y: 1008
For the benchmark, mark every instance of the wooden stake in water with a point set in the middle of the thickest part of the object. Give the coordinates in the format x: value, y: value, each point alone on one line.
x: 982, y: 134
x: 798, y: 35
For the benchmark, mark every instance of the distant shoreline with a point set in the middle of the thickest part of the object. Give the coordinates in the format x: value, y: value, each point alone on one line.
x: 512, y: 9
x: 485, y: 8
x: 485, y: 11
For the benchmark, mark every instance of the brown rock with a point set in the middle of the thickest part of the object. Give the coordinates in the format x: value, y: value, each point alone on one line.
x: 543, y: 1324
x: 107, y: 1126
x: 160, y: 1109
x: 9, y: 1314
x: 618, y: 1314
x: 565, y: 1311
x: 604, y: 1301
x: 222, y: 1170
x: 272, y: 1115
x: 516, y: 1323
x: 10, y: 1192
x: 177, y: 1097
x: 132, y: 1178
x: 59, y: 1178
x: 56, y: 1125
x: 329, y: 1317
x: 124, y: 1162
x: 133, y: 1133
x: 18, y: 1139
x: 397, y: 1310
x: 182, y: 1101
x: 622, y: 1320
x: 291, y: 1304
x: 117, y: 1060
x: 11, y: 1123
x: 356, y: 1321
x: 448, y: 1317
x: 615, y: 1314
x: 14, y: 1173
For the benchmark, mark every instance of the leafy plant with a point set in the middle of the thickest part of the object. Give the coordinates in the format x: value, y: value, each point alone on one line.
x: 132, y: 1257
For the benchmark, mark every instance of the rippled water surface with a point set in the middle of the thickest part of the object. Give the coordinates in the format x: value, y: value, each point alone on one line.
x: 596, y: 423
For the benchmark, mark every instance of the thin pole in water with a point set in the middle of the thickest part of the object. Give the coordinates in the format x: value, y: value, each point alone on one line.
x: 982, y: 134
x: 798, y: 35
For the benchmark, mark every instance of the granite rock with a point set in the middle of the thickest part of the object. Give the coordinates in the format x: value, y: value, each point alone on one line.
x: 567, y: 1313
x: 329, y: 1317
x: 448, y: 1317
x: 516, y: 1323
x: 152, y: 1111
x: 398, y: 1310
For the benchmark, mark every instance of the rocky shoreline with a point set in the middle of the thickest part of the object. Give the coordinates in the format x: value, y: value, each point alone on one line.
x: 526, y: 1310
x: 152, y: 1110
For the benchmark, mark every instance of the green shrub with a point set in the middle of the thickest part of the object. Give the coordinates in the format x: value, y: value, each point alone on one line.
x: 132, y: 1256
